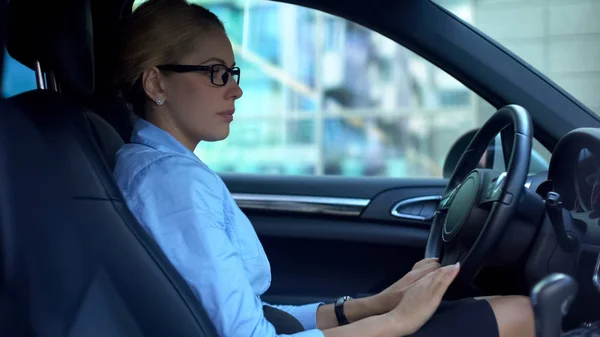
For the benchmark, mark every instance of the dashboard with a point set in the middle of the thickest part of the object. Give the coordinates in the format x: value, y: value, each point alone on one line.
x: 574, y: 173
x: 574, y: 170
x: 586, y: 183
x: 579, y: 185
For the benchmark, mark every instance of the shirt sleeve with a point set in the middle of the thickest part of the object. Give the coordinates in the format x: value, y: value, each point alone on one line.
x: 306, y: 314
x: 183, y: 205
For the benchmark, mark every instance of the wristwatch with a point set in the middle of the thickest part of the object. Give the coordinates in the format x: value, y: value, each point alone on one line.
x: 339, y: 310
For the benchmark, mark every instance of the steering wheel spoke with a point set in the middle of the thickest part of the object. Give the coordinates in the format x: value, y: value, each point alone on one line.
x: 447, y: 200
x: 444, y: 204
x: 453, y: 253
x: 494, y: 190
x: 490, y: 196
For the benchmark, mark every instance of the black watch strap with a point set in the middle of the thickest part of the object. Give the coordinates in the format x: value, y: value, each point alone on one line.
x: 339, y: 310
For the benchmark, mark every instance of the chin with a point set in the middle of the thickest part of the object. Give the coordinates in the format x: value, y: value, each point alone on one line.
x: 218, y: 136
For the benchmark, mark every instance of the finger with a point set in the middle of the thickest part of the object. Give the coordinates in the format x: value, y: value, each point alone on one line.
x: 426, y: 269
x: 437, y: 277
x: 445, y: 278
x: 433, y: 264
x: 438, y: 284
x: 433, y: 277
x: 429, y: 265
x: 417, y: 274
x: 425, y: 261
x: 419, y: 263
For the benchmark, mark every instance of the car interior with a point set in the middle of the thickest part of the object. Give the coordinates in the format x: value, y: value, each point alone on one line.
x: 76, y: 262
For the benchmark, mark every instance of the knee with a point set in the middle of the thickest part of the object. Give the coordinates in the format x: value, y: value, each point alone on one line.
x: 514, y: 305
x: 519, y: 301
x: 514, y: 315
x: 523, y: 305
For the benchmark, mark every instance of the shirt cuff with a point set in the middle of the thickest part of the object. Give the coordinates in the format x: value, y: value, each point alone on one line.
x: 307, y: 315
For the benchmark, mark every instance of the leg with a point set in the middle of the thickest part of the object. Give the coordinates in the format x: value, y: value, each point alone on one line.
x: 496, y: 316
x: 462, y: 318
x: 514, y: 315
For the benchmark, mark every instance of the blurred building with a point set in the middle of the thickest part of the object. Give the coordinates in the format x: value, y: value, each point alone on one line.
x: 326, y: 96
x: 561, y: 38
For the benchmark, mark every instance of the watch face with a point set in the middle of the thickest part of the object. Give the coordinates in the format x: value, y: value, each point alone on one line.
x: 346, y: 298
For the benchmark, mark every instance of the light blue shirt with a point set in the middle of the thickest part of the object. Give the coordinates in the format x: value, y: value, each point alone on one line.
x: 189, y: 211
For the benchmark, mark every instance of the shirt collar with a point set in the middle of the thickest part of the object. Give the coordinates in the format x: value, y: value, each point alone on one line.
x: 151, y: 135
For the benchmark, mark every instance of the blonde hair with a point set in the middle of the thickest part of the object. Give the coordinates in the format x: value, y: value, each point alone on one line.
x: 158, y: 32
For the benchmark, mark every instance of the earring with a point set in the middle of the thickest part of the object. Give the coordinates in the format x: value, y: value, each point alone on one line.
x: 160, y: 101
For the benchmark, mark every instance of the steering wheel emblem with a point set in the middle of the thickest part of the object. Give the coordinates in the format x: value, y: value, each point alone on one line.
x: 461, y: 205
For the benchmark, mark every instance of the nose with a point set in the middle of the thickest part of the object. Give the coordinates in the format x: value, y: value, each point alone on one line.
x: 236, y: 91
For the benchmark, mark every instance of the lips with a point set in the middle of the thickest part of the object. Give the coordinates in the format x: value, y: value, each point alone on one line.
x: 227, y: 115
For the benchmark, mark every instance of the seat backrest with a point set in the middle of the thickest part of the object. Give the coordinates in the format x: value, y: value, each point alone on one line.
x: 79, y: 263
x: 75, y: 260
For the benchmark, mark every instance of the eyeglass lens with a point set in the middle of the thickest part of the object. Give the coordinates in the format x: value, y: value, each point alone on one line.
x: 220, y: 74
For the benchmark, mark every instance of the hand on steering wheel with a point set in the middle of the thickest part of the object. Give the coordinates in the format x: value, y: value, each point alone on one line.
x: 479, y: 203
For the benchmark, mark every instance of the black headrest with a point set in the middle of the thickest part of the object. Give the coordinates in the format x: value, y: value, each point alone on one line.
x: 58, y: 34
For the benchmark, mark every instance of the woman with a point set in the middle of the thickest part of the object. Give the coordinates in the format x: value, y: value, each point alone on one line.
x: 178, y: 72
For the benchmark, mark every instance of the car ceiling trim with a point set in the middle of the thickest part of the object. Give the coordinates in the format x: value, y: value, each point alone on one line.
x: 301, y: 204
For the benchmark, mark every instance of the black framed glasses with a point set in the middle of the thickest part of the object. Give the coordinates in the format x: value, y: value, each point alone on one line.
x: 219, y: 73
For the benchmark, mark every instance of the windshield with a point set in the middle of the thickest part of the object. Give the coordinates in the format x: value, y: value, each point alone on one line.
x: 561, y: 39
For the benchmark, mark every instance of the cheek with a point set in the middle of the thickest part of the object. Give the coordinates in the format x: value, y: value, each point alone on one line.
x: 181, y: 91
x: 189, y: 96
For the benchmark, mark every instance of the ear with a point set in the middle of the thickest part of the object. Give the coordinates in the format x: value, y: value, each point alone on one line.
x: 153, y: 84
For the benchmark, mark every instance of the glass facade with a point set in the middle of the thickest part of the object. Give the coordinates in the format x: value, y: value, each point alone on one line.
x: 560, y: 38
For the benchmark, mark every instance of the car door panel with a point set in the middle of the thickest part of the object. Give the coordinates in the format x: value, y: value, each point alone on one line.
x: 382, y: 207
x: 333, y: 236
x: 324, y: 186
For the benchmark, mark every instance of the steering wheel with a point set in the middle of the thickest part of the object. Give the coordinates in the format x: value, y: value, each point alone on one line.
x: 478, y: 204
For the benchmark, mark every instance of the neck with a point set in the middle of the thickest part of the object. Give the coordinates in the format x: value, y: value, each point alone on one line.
x: 167, y: 124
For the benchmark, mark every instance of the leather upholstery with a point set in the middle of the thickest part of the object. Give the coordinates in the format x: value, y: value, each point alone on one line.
x: 113, y: 112
x: 75, y: 259
x: 284, y: 323
x: 107, y: 138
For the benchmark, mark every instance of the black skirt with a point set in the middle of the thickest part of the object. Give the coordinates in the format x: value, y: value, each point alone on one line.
x: 463, y: 318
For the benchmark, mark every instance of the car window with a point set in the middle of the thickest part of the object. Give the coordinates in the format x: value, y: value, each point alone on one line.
x: 540, y: 157
x: 326, y: 96
x: 17, y: 78
x: 561, y: 39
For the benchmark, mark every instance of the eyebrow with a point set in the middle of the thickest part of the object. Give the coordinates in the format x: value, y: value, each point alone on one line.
x: 217, y: 59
